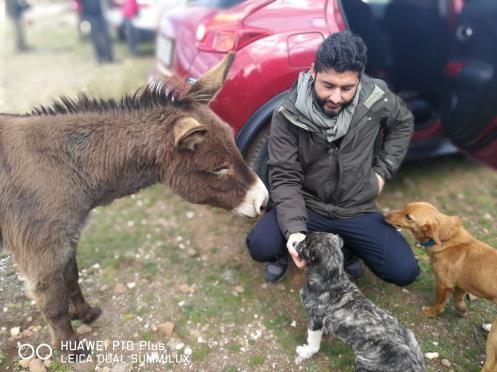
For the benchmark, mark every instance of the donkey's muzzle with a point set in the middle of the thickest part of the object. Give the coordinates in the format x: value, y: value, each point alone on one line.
x: 255, y: 200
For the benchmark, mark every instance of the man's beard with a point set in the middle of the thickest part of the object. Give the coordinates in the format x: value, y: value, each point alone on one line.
x: 331, y: 113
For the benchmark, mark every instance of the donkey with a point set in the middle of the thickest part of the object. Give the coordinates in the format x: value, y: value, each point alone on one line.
x: 61, y: 161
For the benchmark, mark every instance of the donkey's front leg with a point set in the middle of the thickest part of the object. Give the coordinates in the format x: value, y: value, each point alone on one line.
x: 45, y: 279
x: 314, y: 334
x: 51, y: 296
x: 78, y: 308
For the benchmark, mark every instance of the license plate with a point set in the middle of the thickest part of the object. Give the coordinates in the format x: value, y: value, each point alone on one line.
x: 165, y: 49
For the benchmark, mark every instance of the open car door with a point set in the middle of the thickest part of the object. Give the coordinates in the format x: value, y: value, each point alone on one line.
x: 470, y: 119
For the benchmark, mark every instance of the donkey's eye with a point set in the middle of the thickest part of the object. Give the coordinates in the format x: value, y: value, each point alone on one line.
x: 408, y: 217
x: 221, y: 171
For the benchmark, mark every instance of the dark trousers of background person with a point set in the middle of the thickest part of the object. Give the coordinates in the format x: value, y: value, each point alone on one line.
x: 19, y: 34
x: 15, y: 10
x: 384, y: 251
x: 131, y: 37
x: 100, y: 38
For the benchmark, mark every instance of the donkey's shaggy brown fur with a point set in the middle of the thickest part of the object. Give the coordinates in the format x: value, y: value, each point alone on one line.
x: 145, y: 98
x: 60, y: 162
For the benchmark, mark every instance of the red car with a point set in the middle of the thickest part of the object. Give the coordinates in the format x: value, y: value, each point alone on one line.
x: 439, y: 55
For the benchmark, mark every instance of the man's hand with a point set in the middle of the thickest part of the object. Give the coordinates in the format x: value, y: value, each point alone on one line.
x: 381, y: 182
x: 292, y: 242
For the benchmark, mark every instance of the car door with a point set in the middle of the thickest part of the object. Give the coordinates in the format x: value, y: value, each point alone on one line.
x: 470, y: 118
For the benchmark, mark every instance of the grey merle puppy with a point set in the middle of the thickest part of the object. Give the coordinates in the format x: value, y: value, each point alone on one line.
x: 335, y: 305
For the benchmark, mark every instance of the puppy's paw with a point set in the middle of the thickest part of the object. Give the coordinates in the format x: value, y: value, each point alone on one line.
x: 429, y: 311
x: 305, y: 351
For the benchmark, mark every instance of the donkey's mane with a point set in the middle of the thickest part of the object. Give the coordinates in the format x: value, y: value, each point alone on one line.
x: 146, y: 97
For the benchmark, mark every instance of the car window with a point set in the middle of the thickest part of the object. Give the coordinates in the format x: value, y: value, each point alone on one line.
x: 377, y: 7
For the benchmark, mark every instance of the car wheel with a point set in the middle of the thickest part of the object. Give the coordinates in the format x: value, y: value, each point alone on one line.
x: 258, y: 155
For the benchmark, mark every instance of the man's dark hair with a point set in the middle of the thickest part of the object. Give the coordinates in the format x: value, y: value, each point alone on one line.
x: 341, y: 51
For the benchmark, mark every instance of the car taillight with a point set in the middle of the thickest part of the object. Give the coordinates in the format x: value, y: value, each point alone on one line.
x: 228, y: 40
x: 224, y: 41
x: 226, y: 30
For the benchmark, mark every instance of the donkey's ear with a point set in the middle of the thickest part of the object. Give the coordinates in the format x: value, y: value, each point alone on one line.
x: 207, y: 86
x: 188, y: 133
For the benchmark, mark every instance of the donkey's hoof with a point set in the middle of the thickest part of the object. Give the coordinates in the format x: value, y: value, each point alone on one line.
x: 91, y: 315
x: 82, y: 352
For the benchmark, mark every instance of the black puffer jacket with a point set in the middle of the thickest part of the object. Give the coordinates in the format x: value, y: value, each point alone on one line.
x: 306, y: 171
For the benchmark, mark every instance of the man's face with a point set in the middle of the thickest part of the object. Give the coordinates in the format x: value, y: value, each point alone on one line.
x: 334, y: 90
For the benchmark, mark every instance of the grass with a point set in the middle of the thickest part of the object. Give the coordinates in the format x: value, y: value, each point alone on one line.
x: 3, y: 360
x: 256, y: 361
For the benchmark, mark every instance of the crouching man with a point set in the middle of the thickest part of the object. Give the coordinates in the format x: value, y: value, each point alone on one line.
x: 333, y: 143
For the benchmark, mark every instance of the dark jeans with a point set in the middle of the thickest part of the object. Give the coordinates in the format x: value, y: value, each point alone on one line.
x: 384, y: 251
x: 131, y: 36
x: 100, y: 38
x: 19, y: 34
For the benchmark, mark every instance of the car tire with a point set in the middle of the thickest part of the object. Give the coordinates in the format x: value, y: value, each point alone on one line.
x: 258, y: 155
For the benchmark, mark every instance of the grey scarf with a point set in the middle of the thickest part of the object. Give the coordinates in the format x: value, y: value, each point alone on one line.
x: 332, y: 128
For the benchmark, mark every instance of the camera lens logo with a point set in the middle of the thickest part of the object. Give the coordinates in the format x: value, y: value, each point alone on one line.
x: 27, y: 351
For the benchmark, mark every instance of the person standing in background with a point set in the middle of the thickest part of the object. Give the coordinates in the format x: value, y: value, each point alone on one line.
x: 130, y: 11
x: 15, y: 10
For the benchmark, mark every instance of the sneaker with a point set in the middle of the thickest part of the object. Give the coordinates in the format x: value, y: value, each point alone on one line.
x: 276, y: 270
x: 354, y: 270
x: 352, y: 264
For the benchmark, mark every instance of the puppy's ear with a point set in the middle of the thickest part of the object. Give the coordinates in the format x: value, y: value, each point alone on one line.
x: 303, y: 250
x: 449, y: 226
x: 307, y: 250
x: 432, y: 230
x: 313, y: 256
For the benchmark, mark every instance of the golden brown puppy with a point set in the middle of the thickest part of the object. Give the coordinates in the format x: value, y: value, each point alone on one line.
x: 460, y: 262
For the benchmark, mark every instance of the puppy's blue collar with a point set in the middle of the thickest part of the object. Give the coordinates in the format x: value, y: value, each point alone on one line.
x: 429, y: 243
